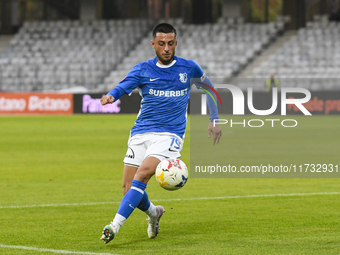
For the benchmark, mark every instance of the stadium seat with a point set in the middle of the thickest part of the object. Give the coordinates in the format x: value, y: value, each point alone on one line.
x: 311, y: 57
x: 53, y: 55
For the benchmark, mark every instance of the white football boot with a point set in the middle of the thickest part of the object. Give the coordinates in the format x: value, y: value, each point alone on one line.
x: 153, y: 224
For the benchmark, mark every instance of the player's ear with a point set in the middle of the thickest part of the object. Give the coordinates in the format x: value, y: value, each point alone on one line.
x: 153, y: 43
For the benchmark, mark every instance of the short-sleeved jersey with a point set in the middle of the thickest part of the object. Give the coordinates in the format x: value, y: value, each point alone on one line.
x: 165, y: 91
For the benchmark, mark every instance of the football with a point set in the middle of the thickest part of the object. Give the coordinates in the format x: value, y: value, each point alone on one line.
x: 171, y: 174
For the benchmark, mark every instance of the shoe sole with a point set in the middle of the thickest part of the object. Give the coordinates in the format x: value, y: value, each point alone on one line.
x: 106, y: 235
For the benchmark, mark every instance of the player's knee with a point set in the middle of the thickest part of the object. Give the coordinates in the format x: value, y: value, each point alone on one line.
x: 144, y: 174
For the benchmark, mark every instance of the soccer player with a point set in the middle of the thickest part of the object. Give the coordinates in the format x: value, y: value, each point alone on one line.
x: 164, y: 85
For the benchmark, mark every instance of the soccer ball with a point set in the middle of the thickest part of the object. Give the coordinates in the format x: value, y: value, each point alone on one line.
x: 171, y: 174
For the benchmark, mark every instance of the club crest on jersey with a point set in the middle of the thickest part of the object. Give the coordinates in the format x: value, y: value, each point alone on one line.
x: 183, y: 77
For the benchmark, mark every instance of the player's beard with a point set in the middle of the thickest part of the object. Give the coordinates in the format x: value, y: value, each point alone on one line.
x: 165, y: 61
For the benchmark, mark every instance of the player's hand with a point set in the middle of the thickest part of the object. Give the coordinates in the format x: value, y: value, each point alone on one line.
x: 216, y: 132
x: 107, y: 99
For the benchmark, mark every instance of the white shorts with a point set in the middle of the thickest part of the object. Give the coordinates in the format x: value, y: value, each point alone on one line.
x: 157, y: 144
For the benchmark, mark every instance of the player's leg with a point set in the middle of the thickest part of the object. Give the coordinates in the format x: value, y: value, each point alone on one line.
x: 128, y: 175
x: 111, y: 230
x: 144, y: 173
x: 132, y: 198
x: 154, y: 212
x: 163, y: 147
x: 133, y: 158
x: 158, y: 148
x: 135, y: 194
x: 145, y: 205
x: 146, y: 169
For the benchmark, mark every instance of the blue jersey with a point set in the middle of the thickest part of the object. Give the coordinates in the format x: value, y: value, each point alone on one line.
x: 165, y: 91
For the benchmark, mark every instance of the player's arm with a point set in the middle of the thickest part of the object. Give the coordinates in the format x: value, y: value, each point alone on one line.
x: 202, y: 81
x: 213, y: 128
x: 126, y: 86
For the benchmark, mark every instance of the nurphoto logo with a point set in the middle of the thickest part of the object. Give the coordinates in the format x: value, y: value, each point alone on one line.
x: 239, y: 103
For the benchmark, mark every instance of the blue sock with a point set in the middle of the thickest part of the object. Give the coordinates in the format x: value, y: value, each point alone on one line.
x: 144, y: 203
x: 132, y: 198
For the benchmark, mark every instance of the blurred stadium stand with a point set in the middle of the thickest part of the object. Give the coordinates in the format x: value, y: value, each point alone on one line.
x: 56, y: 55
x: 222, y: 49
x: 308, y: 58
x: 96, y: 55
x: 82, y: 51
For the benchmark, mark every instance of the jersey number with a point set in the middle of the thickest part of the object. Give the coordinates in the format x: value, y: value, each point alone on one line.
x: 174, y: 143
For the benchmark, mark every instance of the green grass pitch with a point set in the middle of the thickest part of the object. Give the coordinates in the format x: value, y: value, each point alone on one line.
x: 60, y: 183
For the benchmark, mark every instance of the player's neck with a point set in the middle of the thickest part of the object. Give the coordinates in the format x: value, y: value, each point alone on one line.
x: 165, y: 63
x: 161, y: 65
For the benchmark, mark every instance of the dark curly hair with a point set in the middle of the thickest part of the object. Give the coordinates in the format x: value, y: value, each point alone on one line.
x: 163, y: 28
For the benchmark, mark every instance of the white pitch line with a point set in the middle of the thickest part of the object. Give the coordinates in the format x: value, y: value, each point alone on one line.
x: 19, y: 247
x: 173, y: 199
x: 57, y: 205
